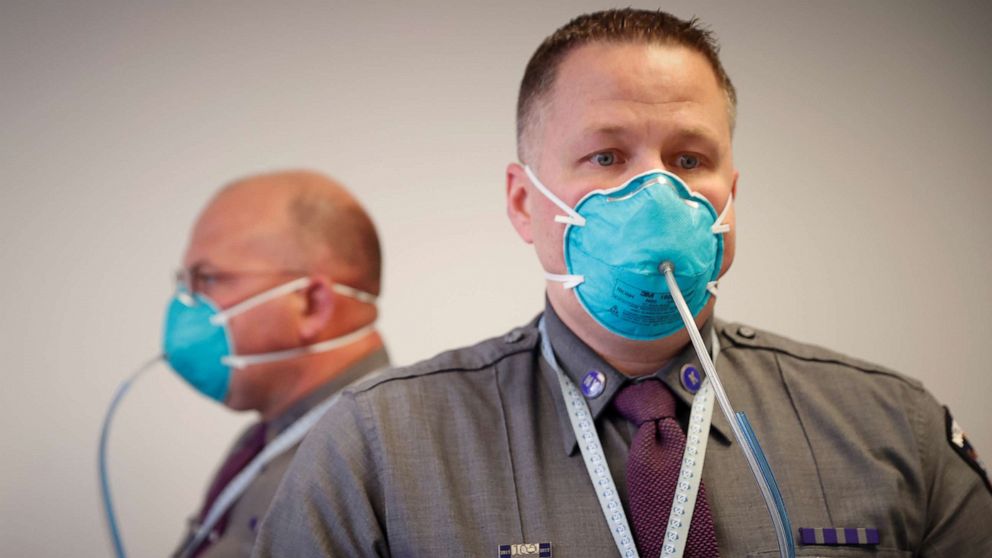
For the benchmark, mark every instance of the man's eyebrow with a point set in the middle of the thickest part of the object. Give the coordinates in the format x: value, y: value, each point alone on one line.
x: 697, y: 132
x: 693, y: 132
x: 606, y: 130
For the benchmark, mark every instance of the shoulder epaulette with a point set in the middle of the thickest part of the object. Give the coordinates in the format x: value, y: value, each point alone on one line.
x: 480, y: 356
x: 741, y: 335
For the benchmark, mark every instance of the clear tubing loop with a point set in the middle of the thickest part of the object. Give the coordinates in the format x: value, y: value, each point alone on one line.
x: 105, y: 496
x: 746, y: 439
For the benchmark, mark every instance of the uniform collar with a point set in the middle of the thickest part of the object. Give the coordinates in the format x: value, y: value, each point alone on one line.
x: 373, y: 361
x: 577, y: 359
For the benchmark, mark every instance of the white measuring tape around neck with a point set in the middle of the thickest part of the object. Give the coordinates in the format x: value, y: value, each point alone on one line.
x: 690, y: 474
x: 286, y: 440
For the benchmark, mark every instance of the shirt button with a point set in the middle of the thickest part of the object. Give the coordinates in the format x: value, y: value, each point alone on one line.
x: 746, y: 332
x: 513, y: 336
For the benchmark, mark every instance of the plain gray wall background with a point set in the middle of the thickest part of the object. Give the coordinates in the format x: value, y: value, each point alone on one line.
x: 863, y: 143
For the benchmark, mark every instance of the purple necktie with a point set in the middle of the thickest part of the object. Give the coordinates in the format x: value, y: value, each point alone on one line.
x: 252, y: 444
x: 653, y: 467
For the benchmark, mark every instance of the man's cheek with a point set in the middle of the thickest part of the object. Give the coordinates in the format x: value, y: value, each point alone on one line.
x: 729, y: 250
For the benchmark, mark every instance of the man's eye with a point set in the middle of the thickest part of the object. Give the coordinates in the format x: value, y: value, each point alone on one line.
x: 205, y: 280
x: 605, y: 158
x: 687, y: 161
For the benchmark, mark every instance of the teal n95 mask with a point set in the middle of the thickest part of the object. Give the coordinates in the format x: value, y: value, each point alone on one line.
x: 643, y: 259
x: 616, y: 239
x: 198, y: 345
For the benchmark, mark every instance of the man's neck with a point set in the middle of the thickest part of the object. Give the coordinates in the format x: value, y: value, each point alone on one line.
x: 315, y: 371
x: 629, y: 357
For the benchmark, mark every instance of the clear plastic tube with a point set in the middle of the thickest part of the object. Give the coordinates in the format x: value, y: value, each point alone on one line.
x: 108, y: 505
x: 747, y: 441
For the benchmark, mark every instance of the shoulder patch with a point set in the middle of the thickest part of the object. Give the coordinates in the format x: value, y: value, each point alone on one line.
x: 960, y: 444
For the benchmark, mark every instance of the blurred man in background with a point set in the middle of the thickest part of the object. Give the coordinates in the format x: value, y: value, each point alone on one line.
x: 274, y: 312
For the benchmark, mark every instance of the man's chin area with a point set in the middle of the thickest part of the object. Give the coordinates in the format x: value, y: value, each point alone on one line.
x: 238, y: 404
x: 675, y: 339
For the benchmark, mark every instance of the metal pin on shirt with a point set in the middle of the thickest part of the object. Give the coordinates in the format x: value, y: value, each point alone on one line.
x: 593, y: 384
x: 691, y: 378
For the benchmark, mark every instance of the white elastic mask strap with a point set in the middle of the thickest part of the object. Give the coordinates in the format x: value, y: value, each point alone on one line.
x: 573, y: 217
x: 260, y: 298
x: 241, y: 361
x: 185, y: 298
x: 567, y: 281
x: 352, y: 292
x: 713, y: 287
x: 719, y: 227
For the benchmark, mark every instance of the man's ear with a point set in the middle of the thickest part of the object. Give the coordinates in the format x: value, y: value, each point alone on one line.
x: 518, y: 201
x: 320, y: 301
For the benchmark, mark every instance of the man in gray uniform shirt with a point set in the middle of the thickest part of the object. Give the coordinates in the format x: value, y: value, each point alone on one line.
x: 292, y: 261
x: 475, y: 452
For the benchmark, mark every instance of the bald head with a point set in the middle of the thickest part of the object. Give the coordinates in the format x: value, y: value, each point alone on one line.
x: 299, y: 220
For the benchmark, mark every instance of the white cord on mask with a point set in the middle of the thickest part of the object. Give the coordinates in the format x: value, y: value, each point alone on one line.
x: 713, y: 287
x: 354, y: 293
x: 108, y: 506
x: 746, y: 439
x: 241, y: 361
x: 261, y: 298
x: 573, y: 217
x: 719, y: 227
x: 567, y: 281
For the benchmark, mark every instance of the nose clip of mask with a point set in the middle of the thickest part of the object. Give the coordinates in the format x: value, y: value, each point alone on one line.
x: 741, y: 427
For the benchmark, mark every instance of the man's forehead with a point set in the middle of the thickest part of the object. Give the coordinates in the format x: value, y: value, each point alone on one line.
x: 233, y: 235
x: 606, y: 87
x: 635, y: 64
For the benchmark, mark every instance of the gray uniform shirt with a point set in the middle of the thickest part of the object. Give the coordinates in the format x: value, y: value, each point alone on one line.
x: 472, y: 449
x: 247, y: 512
